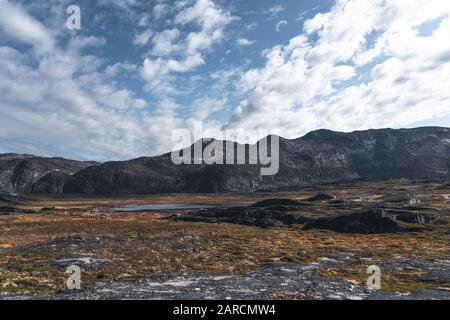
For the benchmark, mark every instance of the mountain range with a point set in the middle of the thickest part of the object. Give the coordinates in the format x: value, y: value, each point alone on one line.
x: 321, y: 156
x: 23, y: 173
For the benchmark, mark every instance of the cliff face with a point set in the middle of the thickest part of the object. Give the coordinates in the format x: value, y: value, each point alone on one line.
x: 23, y: 173
x: 422, y: 153
x: 320, y: 156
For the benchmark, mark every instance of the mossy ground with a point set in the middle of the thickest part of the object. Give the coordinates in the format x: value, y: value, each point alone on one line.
x: 146, y: 243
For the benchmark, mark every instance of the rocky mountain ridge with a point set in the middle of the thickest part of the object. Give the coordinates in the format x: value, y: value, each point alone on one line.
x: 22, y: 173
x: 321, y: 156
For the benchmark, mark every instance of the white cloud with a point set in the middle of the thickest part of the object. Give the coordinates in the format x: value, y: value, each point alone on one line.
x: 160, y: 10
x: 203, y: 107
x: 143, y: 38
x: 61, y: 102
x: 60, y: 111
x: 113, y: 70
x: 309, y: 84
x: 19, y: 26
x: 57, y: 100
x: 272, y: 12
x: 363, y: 64
x: 165, y: 43
x: 252, y: 26
x: 205, y: 15
x: 280, y: 24
x: 245, y: 42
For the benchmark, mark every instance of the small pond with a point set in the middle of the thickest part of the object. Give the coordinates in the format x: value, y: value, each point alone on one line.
x: 163, y: 206
x: 175, y: 206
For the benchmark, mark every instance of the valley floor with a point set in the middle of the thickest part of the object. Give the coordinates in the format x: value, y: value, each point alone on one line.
x: 147, y: 255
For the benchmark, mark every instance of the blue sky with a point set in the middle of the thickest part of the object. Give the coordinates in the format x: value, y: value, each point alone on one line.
x: 138, y: 70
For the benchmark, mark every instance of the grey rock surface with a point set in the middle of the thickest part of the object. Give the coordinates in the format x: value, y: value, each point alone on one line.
x: 27, y: 173
x: 272, y: 281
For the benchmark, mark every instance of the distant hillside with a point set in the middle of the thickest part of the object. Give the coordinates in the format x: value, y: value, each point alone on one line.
x: 21, y: 173
x: 319, y: 157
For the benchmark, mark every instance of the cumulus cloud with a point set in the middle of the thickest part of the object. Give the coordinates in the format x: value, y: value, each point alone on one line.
x: 58, y: 98
x: 175, y: 55
x: 143, y: 37
x: 60, y: 112
x: 160, y: 9
x: 244, y: 42
x: 202, y: 108
x: 363, y: 64
x: 64, y: 102
x: 19, y: 26
x: 165, y: 43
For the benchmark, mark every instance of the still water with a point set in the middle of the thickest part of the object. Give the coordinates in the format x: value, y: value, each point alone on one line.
x: 174, y: 206
x: 165, y: 206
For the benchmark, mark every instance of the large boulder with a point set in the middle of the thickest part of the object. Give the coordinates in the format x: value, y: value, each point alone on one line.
x: 258, y: 217
x: 321, y: 197
x: 367, y: 221
x: 11, y: 198
x: 277, y: 202
x: 412, y: 217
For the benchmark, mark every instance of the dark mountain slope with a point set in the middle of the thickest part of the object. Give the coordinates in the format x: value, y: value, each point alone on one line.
x: 154, y: 175
x: 23, y: 173
x: 409, y: 153
x: 319, y: 157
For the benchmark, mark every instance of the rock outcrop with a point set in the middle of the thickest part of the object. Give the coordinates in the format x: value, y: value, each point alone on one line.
x: 277, y: 202
x: 11, y: 198
x: 321, y: 197
x: 23, y: 173
x: 367, y: 221
x: 265, y: 214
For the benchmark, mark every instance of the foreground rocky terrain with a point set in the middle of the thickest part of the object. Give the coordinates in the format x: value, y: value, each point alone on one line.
x: 224, y: 252
x: 271, y: 281
x: 319, y: 157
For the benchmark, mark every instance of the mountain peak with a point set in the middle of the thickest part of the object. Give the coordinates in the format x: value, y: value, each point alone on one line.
x: 321, y: 156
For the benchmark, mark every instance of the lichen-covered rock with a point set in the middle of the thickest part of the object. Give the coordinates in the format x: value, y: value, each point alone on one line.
x: 265, y: 217
x: 277, y: 202
x: 412, y: 217
x: 367, y: 221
